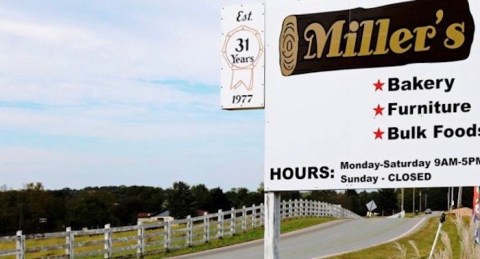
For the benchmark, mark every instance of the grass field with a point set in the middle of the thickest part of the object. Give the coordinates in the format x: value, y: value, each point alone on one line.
x: 95, y: 242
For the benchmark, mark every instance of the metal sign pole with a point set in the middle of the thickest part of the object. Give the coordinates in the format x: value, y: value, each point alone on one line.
x: 272, y: 225
x: 442, y: 219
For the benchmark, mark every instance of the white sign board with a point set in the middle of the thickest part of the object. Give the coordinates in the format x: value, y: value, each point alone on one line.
x: 360, y: 97
x: 242, y: 57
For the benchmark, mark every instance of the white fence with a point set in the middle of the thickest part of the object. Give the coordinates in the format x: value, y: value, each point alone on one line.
x: 144, y: 239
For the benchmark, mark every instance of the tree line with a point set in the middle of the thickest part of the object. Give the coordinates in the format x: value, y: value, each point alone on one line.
x: 35, y: 210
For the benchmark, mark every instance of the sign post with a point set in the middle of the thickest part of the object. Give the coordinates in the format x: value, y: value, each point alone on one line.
x: 371, y: 206
x: 272, y: 225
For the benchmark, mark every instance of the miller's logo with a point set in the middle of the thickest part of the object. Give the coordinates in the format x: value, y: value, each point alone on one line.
x: 413, y: 32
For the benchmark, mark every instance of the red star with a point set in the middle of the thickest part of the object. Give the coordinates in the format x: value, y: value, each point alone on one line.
x: 378, y: 134
x: 379, y: 110
x: 378, y: 85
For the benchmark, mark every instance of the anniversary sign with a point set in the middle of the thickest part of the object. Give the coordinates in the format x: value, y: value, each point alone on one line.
x: 412, y: 32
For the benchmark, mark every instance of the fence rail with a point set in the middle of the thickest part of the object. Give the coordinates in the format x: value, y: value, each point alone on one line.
x: 145, y: 239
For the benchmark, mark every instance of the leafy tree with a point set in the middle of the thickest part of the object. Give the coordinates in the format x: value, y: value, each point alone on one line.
x: 351, y: 201
x: 218, y: 200
x: 202, y: 196
x: 93, y: 210
x: 387, y: 201
x: 329, y: 196
x: 180, y: 200
x: 291, y: 195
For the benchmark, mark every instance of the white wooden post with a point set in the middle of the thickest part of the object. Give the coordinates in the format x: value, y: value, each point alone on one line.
x: 272, y: 225
x: 295, y: 205
x: 189, y: 231
x: 233, y: 218
x: 20, y: 245
x: 262, y: 214
x: 302, y: 206
x: 69, y: 241
x: 206, y: 228
x: 167, y: 234
x: 254, y: 216
x: 140, y: 240
x: 107, y: 242
x: 244, y: 219
x: 220, y: 225
x: 312, y: 208
x: 307, y: 207
x: 288, y: 208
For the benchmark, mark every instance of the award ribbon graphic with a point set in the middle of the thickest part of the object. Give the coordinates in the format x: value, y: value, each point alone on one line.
x: 242, y: 50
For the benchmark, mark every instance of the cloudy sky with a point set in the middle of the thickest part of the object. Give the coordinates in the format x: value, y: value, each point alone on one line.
x: 118, y: 92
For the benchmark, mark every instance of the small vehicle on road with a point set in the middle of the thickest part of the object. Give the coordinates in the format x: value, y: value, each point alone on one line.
x: 428, y: 211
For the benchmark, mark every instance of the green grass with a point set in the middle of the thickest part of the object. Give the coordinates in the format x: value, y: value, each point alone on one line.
x: 287, y: 225
x: 423, y: 239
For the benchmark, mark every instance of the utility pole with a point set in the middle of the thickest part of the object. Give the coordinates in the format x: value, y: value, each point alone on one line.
x: 452, y: 199
x: 426, y: 204
x: 413, y: 200
x: 448, y: 199
x: 420, y: 201
x: 402, y: 206
x: 459, y: 197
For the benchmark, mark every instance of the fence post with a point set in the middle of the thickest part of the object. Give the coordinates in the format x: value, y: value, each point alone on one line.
x: 289, y: 208
x: 69, y: 239
x: 20, y: 245
x: 167, y: 231
x: 244, y: 218
x: 313, y: 208
x: 140, y: 240
x: 254, y: 216
x: 188, y: 232
x: 262, y: 214
x: 303, y: 206
x: 307, y: 208
x: 295, y: 208
x: 107, y: 242
x: 233, y: 223
x: 206, y: 228
x: 220, y: 225
x: 299, y: 208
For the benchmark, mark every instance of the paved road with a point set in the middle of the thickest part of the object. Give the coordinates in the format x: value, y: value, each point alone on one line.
x: 324, y: 240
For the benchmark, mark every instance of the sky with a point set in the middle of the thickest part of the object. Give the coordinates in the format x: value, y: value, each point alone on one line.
x: 117, y: 92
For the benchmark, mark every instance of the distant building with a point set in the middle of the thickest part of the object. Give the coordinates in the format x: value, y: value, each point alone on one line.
x: 150, y: 217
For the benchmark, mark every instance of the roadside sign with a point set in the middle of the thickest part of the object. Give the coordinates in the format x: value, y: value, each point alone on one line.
x: 371, y: 206
x: 242, y: 57
x: 358, y: 96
